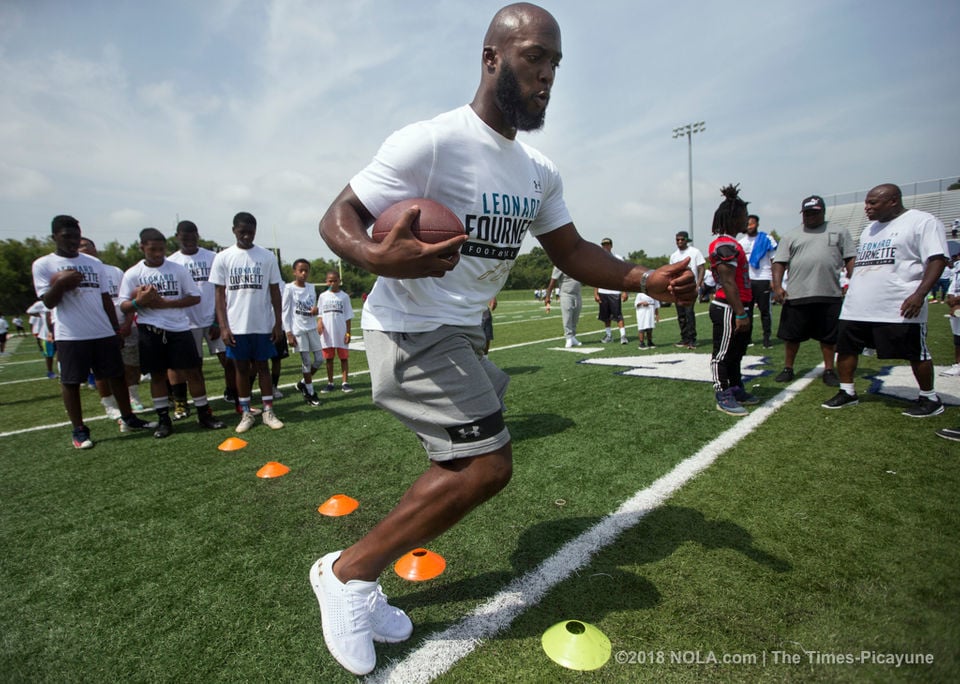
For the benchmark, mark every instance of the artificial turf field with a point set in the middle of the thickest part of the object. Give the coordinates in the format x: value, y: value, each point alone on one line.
x: 814, y: 545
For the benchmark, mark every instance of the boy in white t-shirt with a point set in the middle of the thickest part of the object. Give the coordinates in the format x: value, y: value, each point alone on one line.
x: 159, y: 292
x: 299, y: 323
x: 248, y: 306
x: 648, y: 315
x: 74, y: 286
x: 952, y: 299
x: 333, y: 325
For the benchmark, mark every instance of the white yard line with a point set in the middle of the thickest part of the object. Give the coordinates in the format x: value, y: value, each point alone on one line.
x: 439, y: 652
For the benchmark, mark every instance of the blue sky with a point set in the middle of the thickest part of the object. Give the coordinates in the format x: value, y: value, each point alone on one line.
x: 129, y: 114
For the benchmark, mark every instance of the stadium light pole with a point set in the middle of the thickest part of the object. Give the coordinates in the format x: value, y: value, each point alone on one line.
x: 688, y: 130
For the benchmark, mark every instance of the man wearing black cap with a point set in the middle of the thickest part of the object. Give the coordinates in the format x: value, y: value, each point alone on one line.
x: 685, y: 314
x: 814, y: 254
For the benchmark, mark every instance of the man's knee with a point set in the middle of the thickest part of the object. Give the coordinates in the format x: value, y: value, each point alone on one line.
x: 492, y: 472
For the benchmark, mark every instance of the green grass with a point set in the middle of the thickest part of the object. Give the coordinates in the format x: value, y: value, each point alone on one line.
x: 147, y: 560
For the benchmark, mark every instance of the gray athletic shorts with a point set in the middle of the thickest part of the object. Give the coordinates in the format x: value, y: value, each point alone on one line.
x: 214, y: 346
x: 440, y: 385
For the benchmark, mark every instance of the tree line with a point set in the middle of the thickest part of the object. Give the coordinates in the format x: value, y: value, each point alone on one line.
x: 530, y: 271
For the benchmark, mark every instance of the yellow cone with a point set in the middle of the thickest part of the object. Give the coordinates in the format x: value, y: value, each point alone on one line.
x: 576, y: 645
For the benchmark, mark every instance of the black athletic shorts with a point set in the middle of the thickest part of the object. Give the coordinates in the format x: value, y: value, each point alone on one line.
x: 161, y: 350
x: 78, y: 357
x: 610, y: 309
x: 815, y: 320
x: 891, y: 340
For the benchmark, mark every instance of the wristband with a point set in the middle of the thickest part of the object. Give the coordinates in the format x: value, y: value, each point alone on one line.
x: 134, y: 303
x: 643, y: 282
x: 740, y: 318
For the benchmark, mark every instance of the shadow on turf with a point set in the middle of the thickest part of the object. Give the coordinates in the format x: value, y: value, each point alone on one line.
x: 525, y: 426
x: 590, y: 595
x: 521, y: 370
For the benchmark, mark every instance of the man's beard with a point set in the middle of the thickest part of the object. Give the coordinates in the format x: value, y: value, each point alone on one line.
x: 513, y: 106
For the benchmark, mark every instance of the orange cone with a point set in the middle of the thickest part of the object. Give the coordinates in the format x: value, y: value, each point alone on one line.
x: 232, y: 444
x: 420, y: 565
x: 273, y: 469
x: 337, y: 505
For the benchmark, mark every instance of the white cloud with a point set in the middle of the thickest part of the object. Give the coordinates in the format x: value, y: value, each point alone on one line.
x: 122, y: 218
x: 17, y: 182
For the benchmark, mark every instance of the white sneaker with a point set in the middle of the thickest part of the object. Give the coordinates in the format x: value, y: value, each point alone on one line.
x: 113, y: 413
x: 277, y: 394
x: 345, y: 615
x: 568, y: 343
x: 388, y: 623
x: 951, y: 371
x: 246, y: 422
x: 270, y: 419
x: 576, y: 342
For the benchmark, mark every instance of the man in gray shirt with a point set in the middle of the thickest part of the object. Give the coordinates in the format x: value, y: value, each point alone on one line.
x: 570, y: 304
x: 814, y: 254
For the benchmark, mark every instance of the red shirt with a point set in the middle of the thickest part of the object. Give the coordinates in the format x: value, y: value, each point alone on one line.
x: 726, y: 250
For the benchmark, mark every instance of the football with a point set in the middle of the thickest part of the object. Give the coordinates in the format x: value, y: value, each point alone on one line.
x: 435, y: 224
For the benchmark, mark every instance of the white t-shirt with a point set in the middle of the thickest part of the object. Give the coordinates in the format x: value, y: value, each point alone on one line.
x: 646, y: 315
x: 80, y: 314
x: 954, y: 289
x: 696, y: 259
x: 764, y: 270
x: 4, y: 326
x: 172, y: 281
x: 38, y: 319
x: 247, y: 275
x: 298, y: 303
x: 198, y: 265
x: 891, y: 258
x: 335, y: 311
x: 499, y: 188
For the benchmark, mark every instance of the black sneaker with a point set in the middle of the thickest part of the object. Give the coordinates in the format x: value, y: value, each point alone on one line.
x: 953, y: 434
x: 81, y: 438
x: 743, y: 397
x: 207, y: 420
x: 302, y: 388
x: 164, y: 429
x: 311, y: 399
x: 840, y: 400
x: 786, y: 375
x: 132, y: 423
x: 830, y: 378
x: 924, y: 408
x: 766, y: 342
x: 230, y: 396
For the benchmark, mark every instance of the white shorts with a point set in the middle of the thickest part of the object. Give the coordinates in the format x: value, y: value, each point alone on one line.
x: 440, y: 385
x: 308, y: 341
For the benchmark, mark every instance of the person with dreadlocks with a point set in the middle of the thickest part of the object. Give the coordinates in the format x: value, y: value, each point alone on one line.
x: 730, y: 309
